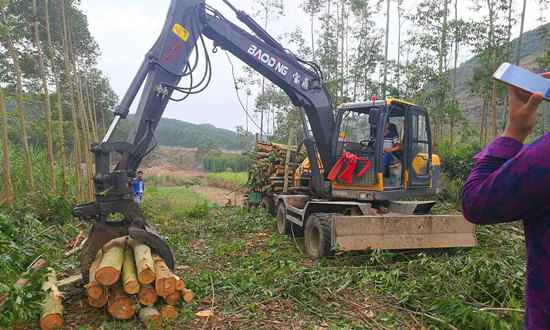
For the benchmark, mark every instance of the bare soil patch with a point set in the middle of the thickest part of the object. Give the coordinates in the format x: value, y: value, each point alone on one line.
x: 220, y: 196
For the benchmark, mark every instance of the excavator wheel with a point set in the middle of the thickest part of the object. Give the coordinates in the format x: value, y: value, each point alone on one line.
x: 318, y: 236
x: 268, y: 204
x: 283, y: 225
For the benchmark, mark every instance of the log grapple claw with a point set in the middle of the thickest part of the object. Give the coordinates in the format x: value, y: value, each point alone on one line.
x: 131, y: 224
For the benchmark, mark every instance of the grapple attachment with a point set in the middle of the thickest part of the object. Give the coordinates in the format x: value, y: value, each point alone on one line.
x: 131, y: 224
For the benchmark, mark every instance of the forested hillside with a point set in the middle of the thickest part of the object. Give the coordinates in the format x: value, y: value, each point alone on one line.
x: 177, y: 133
x: 534, y: 45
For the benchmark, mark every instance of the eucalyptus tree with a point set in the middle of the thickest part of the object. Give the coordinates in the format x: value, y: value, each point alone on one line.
x: 7, y: 37
x: 267, y: 10
x: 43, y: 75
x: 312, y: 7
x: 6, y: 171
x: 491, y: 42
x: 59, y: 103
x: 429, y: 75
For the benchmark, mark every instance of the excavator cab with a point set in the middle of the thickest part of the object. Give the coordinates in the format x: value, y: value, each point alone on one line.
x: 364, y: 210
x: 412, y: 170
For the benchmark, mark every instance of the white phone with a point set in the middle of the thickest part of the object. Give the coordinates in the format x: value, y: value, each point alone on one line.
x: 525, y: 80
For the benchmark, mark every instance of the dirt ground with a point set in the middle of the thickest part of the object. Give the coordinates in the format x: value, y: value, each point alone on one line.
x: 171, y: 171
x: 221, y: 196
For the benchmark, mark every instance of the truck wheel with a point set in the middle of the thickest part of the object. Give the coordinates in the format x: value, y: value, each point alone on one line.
x: 318, y: 235
x: 283, y: 225
x: 268, y: 204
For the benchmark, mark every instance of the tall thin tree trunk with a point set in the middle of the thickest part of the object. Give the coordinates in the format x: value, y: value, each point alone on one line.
x: 312, y: 18
x: 91, y: 112
x: 101, y: 132
x: 8, y: 186
x: 454, y: 74
x: 49, y: 142
x: 443, y: 48
x: 484, y: 120
x: 492, y: 44
x: 520, y: 38
x: 84, y: 122
x: 494, y: 96
x: 385, y: 79
x: 399, y: 46
x: 60, y: 134
x: 508, y: 41
x: 20, y: 112
x: 76, y: 134
x: 342, y: 39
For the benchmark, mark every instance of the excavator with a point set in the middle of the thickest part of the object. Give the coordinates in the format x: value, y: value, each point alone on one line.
x: 331, y: 212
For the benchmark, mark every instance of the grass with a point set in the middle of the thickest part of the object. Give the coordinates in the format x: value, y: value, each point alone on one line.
x: 254, y: 278
x: 237, y: 178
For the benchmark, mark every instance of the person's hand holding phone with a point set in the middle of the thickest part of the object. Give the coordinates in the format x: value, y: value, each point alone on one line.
x: 523, y: 112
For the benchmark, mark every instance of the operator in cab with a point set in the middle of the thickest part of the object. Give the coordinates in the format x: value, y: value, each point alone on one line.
x: 391, y: 145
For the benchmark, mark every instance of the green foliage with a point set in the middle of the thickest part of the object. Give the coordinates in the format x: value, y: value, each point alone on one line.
x: 461, y: 163
x: 24, y: 237
x: 224, y: 164
x: 172, y: 132
x: 238, y: 178
x: 254, y: 270
x: 455, y: 286
x: 41, y: 173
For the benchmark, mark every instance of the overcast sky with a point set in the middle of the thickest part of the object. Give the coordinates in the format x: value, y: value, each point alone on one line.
x: 126, y: 29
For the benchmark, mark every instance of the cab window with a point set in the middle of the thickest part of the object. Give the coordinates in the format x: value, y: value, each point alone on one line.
x: 355, y: 128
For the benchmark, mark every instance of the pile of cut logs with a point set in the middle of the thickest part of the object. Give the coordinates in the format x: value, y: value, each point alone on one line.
x: 124, y: 271
x: 269, y: 165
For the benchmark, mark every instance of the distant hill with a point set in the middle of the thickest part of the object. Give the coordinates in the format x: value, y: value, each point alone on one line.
x: 177, y: 133
x: 530, y: 51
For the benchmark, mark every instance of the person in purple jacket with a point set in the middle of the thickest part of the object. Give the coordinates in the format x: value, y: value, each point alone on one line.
x: 510, y: 182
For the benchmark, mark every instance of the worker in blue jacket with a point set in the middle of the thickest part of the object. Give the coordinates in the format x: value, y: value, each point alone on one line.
x: 139, y: 187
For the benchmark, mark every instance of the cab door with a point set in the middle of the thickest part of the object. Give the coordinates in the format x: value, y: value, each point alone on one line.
x: 419, y: 149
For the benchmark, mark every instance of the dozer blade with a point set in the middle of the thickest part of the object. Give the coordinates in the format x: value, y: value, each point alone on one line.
x: 398, y: 231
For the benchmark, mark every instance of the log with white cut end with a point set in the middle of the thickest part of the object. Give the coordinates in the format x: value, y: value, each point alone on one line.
x: 187, y: 295
x: 147, y: 294
x: 98, y: 302
x: 129, y: 277
x: 150, y: 317
x: 108, y: 272
x: 93, y: 288
x: 180, y: 283
x: 207, y: 315
x: 144, y: 262
x: 165, y: 283
x: 172, y: 298
x: 168, y: 311
x: 121, y: 305
x: 51, y: 312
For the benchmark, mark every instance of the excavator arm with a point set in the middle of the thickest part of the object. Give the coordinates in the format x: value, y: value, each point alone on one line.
x: 175, y: 56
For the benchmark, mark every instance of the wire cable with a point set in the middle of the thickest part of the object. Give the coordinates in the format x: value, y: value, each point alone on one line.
x: 241, y: 102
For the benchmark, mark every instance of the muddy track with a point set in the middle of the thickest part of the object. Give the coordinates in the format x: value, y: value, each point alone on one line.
x: 220, y: 196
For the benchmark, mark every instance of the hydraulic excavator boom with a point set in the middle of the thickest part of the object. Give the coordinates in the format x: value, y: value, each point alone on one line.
x: 175, y: 56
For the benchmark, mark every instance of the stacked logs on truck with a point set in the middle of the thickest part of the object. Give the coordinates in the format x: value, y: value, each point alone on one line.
x: 131, y: 280
x: 269, y: 166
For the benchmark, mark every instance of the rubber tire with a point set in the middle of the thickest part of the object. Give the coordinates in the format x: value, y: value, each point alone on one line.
x: 268, y: 204
x: 283, y: 225
x: 318, y: 236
